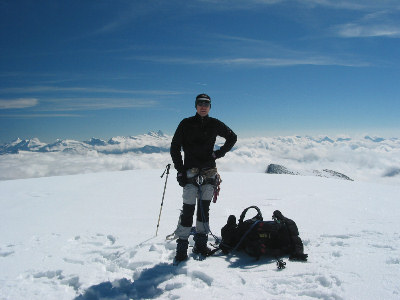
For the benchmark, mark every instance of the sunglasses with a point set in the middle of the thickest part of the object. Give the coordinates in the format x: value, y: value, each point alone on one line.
x: 203, y: 103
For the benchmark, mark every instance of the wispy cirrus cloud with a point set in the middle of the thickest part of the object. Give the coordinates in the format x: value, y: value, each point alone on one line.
x: 255, y: 61
x: 85, y: 104
x: 353, y: 30
x: 35, y: 115
x: 129, y: 13
x: 125, y: 13
x: 44, y: 89
x: 235, y: 5
x: 56, y: 98
x: 360, y: 5
x: 383, y: 23
x: 354, y: 4
x: 244, y: 51
x: 335, y: 4
x: 18, y: 103
x: 47, y: 107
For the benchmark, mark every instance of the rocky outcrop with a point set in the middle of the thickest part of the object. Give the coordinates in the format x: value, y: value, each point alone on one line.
x: 279, y: 169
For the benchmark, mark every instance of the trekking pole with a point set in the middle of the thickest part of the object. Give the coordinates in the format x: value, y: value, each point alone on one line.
x: 162, y: 200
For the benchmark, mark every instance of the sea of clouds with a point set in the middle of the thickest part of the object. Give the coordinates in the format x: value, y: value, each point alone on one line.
x: 362, y: 159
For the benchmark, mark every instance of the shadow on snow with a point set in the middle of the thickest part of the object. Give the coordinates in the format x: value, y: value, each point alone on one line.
x: 144, y: 287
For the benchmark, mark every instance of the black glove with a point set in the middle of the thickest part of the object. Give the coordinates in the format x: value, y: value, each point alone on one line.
x: 182, y: 179
x: 217, y: 154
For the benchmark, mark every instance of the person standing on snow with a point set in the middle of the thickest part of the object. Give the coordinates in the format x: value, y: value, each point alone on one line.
x: 196, y: 136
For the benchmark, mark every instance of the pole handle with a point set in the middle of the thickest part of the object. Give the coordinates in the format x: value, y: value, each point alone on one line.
x: 166, y: 170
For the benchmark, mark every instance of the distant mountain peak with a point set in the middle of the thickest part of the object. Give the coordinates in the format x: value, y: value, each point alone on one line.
x: 159, y: 133
x: 17, y: 145
x: 374, y: 139
x: 16, y: 141
x: 96, y: 142
x: 152, y: 142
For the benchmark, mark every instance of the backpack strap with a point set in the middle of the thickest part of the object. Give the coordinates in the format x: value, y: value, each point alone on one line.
x: 257, y: 217
x: 245, y: 234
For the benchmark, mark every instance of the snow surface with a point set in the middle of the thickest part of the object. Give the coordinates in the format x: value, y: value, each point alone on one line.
x: 92, y: 236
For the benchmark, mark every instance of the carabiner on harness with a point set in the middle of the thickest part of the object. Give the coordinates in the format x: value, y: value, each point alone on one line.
x: 199, y: 180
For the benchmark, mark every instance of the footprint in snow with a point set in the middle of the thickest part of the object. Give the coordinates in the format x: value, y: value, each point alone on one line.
x: 9, y: 250
x: 52, y: 276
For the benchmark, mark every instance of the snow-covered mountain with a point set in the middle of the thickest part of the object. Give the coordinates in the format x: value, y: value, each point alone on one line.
x: 21, y: 145
x: 152, y: 142
x: 92, y: 236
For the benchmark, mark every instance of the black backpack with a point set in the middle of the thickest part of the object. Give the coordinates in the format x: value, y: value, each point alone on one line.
x: 258, y: 237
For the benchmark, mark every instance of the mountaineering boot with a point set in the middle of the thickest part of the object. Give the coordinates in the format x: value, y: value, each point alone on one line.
x: 200, y: 244
x: 181, y: 250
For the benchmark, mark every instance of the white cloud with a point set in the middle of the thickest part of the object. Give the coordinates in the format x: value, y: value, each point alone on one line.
x: 358, y: 30
x: 75, y: 104
x: 257, y: 61
x: 383, y: 23
x: 45, y: 89
x: 35, y: 115
x: 354, y: 4
x: 358, y: 158
x: 18, y: 103
x: 335, y: 4
x: 83, y: 98
x: 240, y: 4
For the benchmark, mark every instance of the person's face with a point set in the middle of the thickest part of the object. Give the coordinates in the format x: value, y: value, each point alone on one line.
x: 203, y: 108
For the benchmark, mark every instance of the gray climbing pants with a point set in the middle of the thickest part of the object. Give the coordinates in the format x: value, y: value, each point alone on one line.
x: 196, y: 194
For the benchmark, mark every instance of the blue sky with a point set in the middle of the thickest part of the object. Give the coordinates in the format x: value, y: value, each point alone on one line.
x: 81, y: 69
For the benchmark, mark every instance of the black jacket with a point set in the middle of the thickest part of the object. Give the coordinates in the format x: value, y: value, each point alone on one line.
x: 196, y: 136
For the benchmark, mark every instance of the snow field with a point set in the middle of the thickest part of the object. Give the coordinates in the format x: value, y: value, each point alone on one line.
x: 93, y: 235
